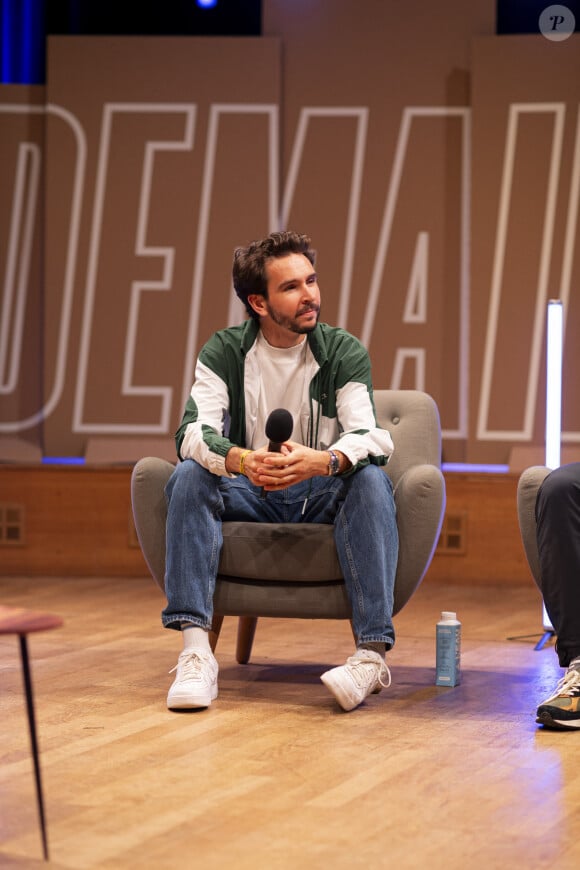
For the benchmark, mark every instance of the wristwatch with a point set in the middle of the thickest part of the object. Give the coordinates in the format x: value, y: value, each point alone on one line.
x: 333, y: 464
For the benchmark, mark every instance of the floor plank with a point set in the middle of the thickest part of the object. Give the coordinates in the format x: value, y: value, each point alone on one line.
x: 275, y: 775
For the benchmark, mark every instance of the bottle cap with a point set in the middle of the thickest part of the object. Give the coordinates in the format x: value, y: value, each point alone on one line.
x: 448, y: 614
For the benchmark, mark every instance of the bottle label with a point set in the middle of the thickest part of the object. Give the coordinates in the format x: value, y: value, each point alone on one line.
x: 448, y: 655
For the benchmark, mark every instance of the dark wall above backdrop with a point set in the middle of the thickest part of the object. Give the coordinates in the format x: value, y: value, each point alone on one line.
x: 155, y: 18
x: 435, y: 164
x: 26, y: 24
x: 523, y: 16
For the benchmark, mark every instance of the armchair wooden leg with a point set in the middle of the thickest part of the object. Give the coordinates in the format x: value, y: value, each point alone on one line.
x: 246, y: 631
x: 214, y: 633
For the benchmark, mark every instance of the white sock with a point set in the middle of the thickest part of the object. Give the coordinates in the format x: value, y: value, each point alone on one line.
x: 195, y: 637
x: 380, y: 648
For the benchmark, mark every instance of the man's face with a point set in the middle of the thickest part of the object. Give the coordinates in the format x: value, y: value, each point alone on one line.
x: 292, y: 307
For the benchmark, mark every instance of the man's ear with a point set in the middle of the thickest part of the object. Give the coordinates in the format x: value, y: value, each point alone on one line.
x: 258, y: 303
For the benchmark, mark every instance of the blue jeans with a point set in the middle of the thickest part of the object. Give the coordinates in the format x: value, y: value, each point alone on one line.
x: 361, y: 507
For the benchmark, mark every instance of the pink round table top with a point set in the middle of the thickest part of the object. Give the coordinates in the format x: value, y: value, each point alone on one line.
x: 19, y: 620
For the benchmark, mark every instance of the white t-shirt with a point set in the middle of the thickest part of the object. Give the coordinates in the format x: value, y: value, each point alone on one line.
x: 284, y: 384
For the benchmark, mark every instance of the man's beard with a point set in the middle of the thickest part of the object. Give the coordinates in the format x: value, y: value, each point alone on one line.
x: 292, y: 323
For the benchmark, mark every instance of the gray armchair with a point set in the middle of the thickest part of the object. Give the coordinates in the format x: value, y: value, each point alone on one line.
x: 528, y: 486
x: 292, y: 570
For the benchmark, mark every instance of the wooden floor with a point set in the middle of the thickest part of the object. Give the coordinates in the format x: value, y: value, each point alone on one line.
x: 274, y: 775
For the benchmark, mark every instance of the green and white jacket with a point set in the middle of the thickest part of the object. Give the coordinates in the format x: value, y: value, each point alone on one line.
x: 338, y: 411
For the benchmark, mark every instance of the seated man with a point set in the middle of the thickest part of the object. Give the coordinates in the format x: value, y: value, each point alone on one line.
x: 328, y: 470
x: 558, y: 535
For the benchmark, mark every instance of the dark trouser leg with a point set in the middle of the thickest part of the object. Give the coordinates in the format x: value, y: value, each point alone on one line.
x: 558, y: 535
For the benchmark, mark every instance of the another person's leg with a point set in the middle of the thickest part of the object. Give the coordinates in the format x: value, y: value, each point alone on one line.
x: 558, y: 536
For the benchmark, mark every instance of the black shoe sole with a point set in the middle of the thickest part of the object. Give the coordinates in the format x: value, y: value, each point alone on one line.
x: 545, y: 719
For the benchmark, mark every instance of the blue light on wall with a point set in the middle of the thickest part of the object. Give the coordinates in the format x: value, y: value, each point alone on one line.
x: 23, y: 42
x: 63, y: 460
x: 474, y: 468
x: 206, y: 4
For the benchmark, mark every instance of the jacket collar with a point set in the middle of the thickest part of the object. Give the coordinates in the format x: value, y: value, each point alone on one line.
x: 316, y: 340
x: 249, y: 335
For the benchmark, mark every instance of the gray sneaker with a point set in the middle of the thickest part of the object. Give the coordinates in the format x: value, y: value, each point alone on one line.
x: 562, y: 710
x: 364, y: 673
x: 195, y: 684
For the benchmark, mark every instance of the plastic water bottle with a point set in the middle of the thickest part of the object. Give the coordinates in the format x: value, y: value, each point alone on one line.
x: 448, y: 650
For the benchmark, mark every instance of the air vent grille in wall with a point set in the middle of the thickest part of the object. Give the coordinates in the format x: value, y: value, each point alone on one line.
x: 12, y: 525
x: 453, y: 537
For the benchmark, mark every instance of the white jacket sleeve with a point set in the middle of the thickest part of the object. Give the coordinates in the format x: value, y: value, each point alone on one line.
x: 209, y: 397
x: 360, y: 437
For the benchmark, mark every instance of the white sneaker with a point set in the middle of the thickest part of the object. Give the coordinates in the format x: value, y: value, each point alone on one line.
x: 363, y: 673
x: 195, y: 684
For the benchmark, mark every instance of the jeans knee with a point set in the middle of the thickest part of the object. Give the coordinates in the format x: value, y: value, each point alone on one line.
x: 374, y: 481
x: 188, y: 475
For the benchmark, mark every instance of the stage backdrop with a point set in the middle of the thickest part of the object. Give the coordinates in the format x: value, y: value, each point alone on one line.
x: 436, y: 167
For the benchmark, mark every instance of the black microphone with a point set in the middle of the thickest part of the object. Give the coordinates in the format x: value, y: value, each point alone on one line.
x: 279, y: 426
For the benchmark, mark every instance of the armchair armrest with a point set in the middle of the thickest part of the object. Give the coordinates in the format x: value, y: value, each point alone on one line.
x: 148, y: 481
x: 420, y: 503
x: 528, y: 486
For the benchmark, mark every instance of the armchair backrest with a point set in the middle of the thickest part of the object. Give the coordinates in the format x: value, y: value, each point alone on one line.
x: 412, y: 418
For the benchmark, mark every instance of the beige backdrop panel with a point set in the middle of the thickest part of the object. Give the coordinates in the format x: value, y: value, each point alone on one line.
x: 525, y: 236
x: 394, y: 241
x: 22, y: 111
x: 165, y: 158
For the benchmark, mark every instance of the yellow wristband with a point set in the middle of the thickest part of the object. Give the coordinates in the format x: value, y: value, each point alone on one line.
x: 243, y: 455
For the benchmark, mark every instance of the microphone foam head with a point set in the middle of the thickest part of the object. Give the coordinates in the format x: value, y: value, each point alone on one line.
x: 279, y: 425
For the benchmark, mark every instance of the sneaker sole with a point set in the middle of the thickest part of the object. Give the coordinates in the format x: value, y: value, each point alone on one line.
x: 544, y: 718
x: 346, y: 701
x: 191, y: 702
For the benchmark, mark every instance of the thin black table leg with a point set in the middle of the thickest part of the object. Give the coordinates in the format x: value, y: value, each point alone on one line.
x: 33, y: 741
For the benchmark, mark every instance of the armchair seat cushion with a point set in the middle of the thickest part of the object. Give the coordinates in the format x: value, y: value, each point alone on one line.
x: 285, y: 552
x: 314, y: 600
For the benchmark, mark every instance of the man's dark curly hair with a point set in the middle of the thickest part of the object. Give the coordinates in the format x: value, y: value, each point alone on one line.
x: 249, y: 270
